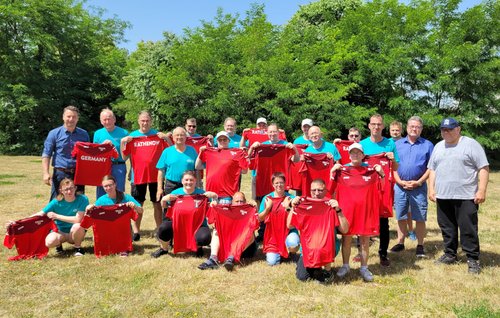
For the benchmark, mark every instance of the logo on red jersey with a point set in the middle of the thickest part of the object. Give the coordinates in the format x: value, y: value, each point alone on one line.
x: 233, y: 153
x: 243, y: 212
x: 90, y: 158
x: 39, y: 222
x: 146, y: 143
x: 197, y: 203
x: 367, y: 178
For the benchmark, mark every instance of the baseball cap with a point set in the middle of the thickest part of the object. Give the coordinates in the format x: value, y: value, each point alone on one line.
x: 261, y: 120
x: 222, y: 133
x: 355, y: 146
x: 449, y: 123
x: 307, y: 121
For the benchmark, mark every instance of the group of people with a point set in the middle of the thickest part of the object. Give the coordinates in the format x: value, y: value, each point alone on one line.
x: 341, y: 189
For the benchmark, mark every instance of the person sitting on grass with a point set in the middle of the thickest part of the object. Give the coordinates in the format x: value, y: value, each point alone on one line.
x: 186, y: 218
x: 67, y: 211
x: 107, y: 237
x: 233, y: 235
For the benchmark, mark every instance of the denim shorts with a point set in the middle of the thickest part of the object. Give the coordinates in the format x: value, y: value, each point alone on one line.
x: 414, y: 200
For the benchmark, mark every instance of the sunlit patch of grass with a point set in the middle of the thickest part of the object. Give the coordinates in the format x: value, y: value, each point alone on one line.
x: 2, y: 182
x: 10, y: 176
x: 476, y: 310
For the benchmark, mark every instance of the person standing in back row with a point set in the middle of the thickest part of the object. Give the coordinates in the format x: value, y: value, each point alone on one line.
x: 58, y: 147
x: 459, y: 172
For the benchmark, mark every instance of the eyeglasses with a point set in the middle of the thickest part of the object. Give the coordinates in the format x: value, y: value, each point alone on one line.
x: 317, y: 190
x: 68, y: 189
x: 108, y: 185
x: 376, y: 124
x: 191, y: 126
x: 239, y: 201
x: 354, y: 136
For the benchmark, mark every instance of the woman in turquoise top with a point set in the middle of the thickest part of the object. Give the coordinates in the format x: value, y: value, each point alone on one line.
x: 114, y: 196
x: 165, y: 230
x: 67, y: 211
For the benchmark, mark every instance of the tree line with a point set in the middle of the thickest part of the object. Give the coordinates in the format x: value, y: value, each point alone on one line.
x: 335, y: 61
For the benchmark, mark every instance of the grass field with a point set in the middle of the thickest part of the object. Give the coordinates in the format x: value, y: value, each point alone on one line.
x: 138, y: 286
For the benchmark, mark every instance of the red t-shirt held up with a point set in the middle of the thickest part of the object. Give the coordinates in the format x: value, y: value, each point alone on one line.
x: 93, y: 162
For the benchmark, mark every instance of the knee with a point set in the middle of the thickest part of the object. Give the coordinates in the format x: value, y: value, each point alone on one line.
x: 165, y: 231
x: 203, y: 236
x: 273, y: 258
x: 52, y: 240
x: 292, y: 242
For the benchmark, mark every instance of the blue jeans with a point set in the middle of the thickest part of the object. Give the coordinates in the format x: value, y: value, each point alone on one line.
x: 292, y: 240
x: 415, y: 199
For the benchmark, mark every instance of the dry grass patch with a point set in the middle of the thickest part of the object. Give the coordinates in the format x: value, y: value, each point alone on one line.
x: 138, y: 286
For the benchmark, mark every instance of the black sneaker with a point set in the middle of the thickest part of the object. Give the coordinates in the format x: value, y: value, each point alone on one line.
x: 79, y: 251
x: 159, y: 252
x: 384, y: 261
x: 209, y: 264
x: 474, y: 266
x: 229, y: 263
x: 136, y: 237
x: 59, y: 250
x: 446, y: 259
x: 199, y: 252
x: 329, y: 276
x: 420, y: 253
x: 397, y: 248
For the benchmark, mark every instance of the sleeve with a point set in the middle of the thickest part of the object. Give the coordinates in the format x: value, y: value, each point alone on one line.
x: 395, y: 150
x: 9, y: 241
x: 75, y: 150
x: 478, y: 155
x: 203, y: 157
x: 211, y: 215
x: 262, y: 205
x: 86, y: 222
x: 83, y: 202
x: 50, y: 207
x: 243, y: 160
x: 95, y: 138
x: 127, y: 150
x: 114, y: 153
x: 129, y: 198
x: 336, y: 154
x: 49, y: 145
x: 161, y: 164
x: 295, y: 220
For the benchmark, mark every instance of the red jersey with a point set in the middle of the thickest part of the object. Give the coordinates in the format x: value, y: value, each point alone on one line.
x: 93, y: 162
x: 260, y: 135
x: 224, y: 169
x: 235, y: 225
x: 294, y: 180
x: 316, y: 222
x: 28, y: 235
x: 276, y: 229
x: 315, y: 166
x: 145, y: 152
x: 198, y: 142
x: 343, y: 148
x: 111, y: 226
x: 359, y: 197
x: 187, y: 213
x: 388, y: 186
x: 268, y: 159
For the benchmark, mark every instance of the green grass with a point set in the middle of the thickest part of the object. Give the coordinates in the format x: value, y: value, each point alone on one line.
x: 172, y: 286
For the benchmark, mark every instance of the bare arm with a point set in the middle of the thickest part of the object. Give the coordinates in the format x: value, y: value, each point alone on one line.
x: 160, y: 178
x: 484, y: 174
x: 432, y: 189
x: 45, y: 169
x: 68, y: 219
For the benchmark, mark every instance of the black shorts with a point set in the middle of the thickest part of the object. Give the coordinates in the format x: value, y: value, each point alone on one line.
x: 138, y: 191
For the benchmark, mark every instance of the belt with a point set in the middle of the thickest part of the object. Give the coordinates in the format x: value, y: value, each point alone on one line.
x: 118, y: 162
x: 65, y: 170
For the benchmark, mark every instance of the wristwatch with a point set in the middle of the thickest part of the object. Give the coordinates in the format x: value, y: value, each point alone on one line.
x: 338, y: 210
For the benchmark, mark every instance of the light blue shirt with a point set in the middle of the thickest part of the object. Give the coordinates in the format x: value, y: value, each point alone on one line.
x: 326, y: 147
x: 375, y: 148
x: 114, y: 136
x: 234, y: 141
x: 106, y: 200
x: 302, y: 141
x: 175, y: 163
x: 413, y: 157
x: 67, y: 209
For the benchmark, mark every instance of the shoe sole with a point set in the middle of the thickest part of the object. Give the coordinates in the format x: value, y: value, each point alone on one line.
x: 229, y: 267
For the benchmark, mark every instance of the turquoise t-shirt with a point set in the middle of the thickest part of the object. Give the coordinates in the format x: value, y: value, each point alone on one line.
x: 234, y: 141
x: 374, y: 148
x: 67, y: 209
x: 114, y: 136
x: 175, y: 163
x: 302, y: 141
x: 106, y: 200
x: 326, y: 147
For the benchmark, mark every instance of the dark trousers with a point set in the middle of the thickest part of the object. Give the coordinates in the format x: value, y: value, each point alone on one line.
x: 453, y: 215
x: 306, y: 273
x: 166, y: 233
x: 57, y: 176
x: 384, y: 237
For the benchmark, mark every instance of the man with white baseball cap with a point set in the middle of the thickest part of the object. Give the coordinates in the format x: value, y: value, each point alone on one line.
x: 304, y: 139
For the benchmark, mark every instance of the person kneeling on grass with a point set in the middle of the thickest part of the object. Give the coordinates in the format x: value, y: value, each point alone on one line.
x: 318, y: 219
x: 118, y: 238
x: 67, y: 211
x: 233, y: 235
x: 357, y: 191
x: 185, y: 219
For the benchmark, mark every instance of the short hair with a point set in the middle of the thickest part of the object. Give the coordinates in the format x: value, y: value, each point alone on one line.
x: 107, y: 110
x: 397, y: 123
x: 242, y: 194
x: 63, y: 182
x: 319, y: 181
x: 354, y: 129
x: 191, y: 173
x: 145, y: 112
x: 228, y: 119
x: 416, y: 118
x: 278, y: 174
x: 377, y: 116
x: 190, y: 120
x: 71, y: 108
x: 273, y: 124
x: 179, y: 128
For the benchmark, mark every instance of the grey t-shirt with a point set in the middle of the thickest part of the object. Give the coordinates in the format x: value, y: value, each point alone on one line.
x: 457, y: 168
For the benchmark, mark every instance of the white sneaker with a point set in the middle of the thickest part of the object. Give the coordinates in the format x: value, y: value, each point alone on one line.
x: 343, y: 271
x: 366, y: 274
